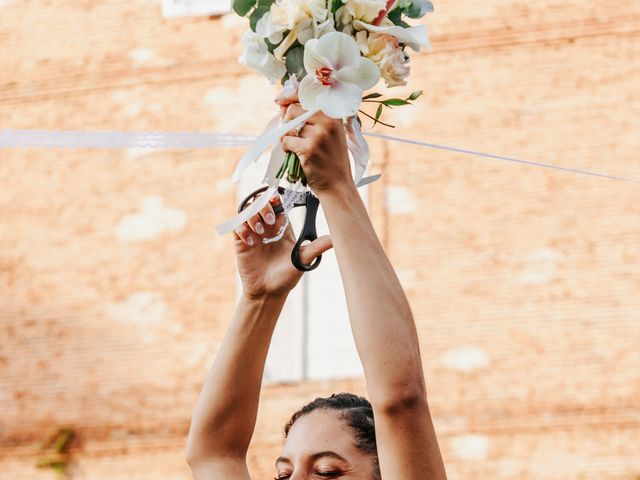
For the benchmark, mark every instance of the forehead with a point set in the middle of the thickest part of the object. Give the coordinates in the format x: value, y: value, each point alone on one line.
x: 318, y: 431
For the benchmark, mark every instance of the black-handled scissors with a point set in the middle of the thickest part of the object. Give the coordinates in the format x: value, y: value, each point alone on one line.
x: 308, y: 232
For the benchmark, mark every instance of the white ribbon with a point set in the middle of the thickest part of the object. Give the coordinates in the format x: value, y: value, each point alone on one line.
x: 270, y: 137
x: 175, y: 140
x: 275, y: 162
x: 247, y: 213
x: 265, y: 140
x: 358, y: 147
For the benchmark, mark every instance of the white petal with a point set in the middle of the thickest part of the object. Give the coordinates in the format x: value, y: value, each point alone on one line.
x: 341, y: 100
x: 340, y: 49
x: 274, y: 69
x: 413, y: 37
x: 312, y: 60
x: 324, y: 28
x: 309, y: 92
x: 305, y: 33
x: 262, y: 27
x: 365, y: 75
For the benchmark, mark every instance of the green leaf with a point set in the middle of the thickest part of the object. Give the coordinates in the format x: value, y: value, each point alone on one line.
x: 256, y: 15
x: 415, y: 95
x: 418, y: 8
x: 395, y: 16
x: 63, y: 440
x: 243, y: 7
x: 270, y: 46
x: 395, y: 102
x: 378, y: 114
x: 372, y: 95
x: 262, y: 7
x: 295, y: 62
x: 413, y: 11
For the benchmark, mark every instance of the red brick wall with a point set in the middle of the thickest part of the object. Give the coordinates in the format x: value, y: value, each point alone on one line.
x: 524, y: 281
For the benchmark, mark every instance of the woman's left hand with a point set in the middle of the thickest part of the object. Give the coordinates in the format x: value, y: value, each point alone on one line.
x: 265, y: 268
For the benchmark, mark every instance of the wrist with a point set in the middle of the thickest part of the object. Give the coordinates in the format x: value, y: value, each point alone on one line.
x: 264, y: 299
x: 261, y: 310
x: 341, y: 192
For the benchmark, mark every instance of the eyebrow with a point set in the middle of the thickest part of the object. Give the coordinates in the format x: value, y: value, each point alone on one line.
x: 316, y: 456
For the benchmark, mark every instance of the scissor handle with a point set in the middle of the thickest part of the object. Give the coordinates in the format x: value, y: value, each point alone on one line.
x: 308, y: 233
x: 308, y: 230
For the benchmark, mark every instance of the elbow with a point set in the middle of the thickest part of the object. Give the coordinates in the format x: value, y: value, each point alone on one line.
x: 204, y: 449
x: 195, y: 451
x: 403, y: 401
x: 191, y: 453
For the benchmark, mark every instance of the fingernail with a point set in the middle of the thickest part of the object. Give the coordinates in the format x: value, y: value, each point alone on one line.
x: 249, y: 241
x: 259, y: 228
x: 270, y: 218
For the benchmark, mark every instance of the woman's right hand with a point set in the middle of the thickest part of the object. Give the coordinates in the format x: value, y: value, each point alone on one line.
x: 265, y: 268
x: 321, y: 146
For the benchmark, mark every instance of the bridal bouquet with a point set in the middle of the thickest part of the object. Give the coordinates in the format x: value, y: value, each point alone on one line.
x: 329, y: 52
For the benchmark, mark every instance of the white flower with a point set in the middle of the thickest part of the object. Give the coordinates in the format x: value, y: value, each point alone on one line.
x: 303, y: 19
x: 337, y: 75
x: 289, y: 92
x: 322, y: 29
x: 412, y: 37
x: 256, y: 55
x: 385, y: 52
x: 365, y: 10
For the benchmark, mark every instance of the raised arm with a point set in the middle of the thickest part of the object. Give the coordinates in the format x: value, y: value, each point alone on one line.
x: 225, y: 414
x: 381, y: 319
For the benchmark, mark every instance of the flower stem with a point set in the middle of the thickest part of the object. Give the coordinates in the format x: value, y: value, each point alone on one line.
x: 292, y: 168
x: 375, y: 121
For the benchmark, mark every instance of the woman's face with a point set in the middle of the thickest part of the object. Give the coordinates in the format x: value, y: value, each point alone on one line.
x: 320, y: 446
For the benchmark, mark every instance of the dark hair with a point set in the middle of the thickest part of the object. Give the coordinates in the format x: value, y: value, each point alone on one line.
x: 358, y: 414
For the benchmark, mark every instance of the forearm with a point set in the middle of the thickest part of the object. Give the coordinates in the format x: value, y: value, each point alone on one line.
x: 225, y: 414
x: 380, y: 315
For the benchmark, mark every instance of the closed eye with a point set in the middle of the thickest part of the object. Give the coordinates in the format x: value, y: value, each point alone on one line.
x: 331, y: 474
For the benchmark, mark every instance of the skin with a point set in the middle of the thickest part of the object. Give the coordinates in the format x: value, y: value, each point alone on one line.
x: 381, y: 321
x: 320, y: 444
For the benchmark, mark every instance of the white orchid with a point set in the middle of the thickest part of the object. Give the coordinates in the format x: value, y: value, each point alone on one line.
x: 303, y: 19
x: 256, y: 55
x: 337, y: 75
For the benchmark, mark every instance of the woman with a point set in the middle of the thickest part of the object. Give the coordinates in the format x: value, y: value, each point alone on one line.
x: 335, y: 437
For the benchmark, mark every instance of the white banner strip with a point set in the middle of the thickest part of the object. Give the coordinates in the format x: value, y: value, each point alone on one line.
x: 80, y: 139
x: 180, y: 140
x: 500, y: 157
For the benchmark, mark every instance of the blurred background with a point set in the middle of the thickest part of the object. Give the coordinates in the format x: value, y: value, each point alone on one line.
x: 115, y: 290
